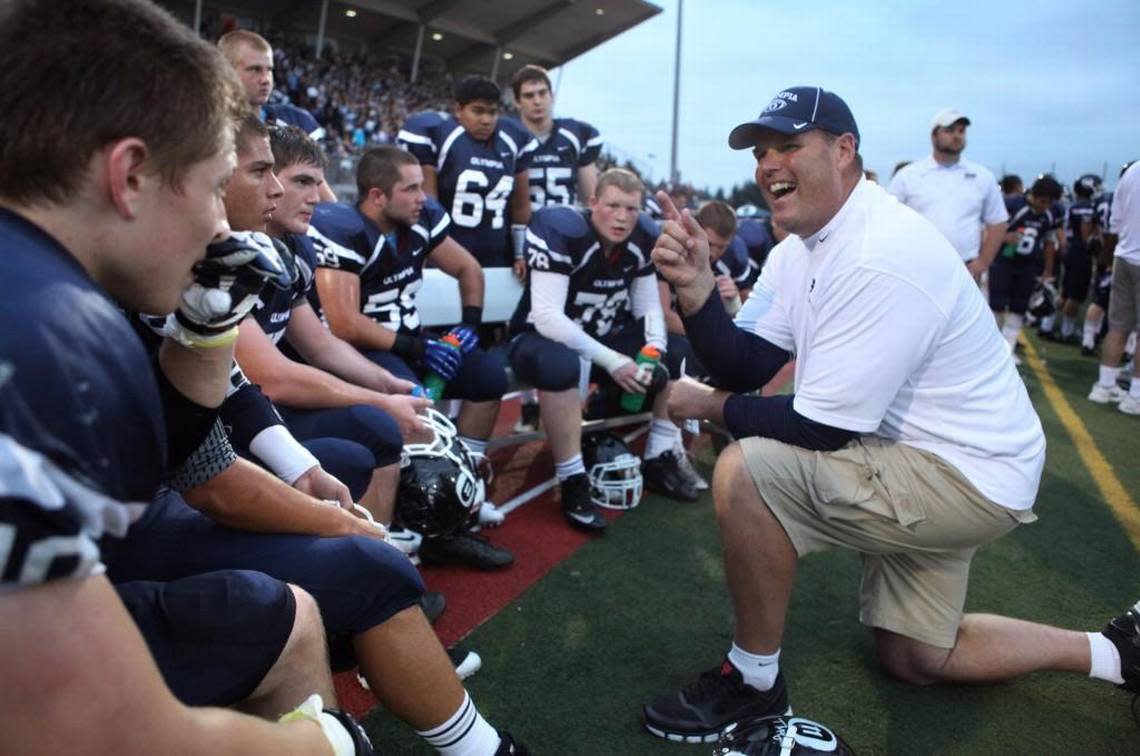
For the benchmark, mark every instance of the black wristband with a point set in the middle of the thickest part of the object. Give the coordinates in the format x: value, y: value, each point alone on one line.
x: 409, y: 347
x: 472, y: 315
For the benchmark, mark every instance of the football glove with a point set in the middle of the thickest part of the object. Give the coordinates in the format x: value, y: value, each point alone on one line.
x: 442, y: 359
x: 466, y: 336
x: 344, y: 733
x: 227, y: 284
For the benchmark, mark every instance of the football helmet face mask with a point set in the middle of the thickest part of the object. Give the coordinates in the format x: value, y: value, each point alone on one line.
x: 780, y: 736
x: 440, y: 489
x: 1088, y: 186
x: 614, y: 471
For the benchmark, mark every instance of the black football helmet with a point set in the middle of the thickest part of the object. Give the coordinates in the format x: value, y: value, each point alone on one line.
x: 1043, y: 300
x: 1088, y: 186
x: 780, y: 736
x: 440, y: 488
x: 614, y: 471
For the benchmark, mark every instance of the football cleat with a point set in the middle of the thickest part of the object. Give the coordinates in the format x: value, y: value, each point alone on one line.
x: 508, y: 746
x: 528, y: 418
x: 1129, y: 405
x: 577, y: 505
x: 702, y: 711
x: 465, y: 549
x: 432, y: 604
x: 1106, y: 394
x: 663, y: 475
x: 689, y: 473
x: 1124, y: 632
x: 466, y: 662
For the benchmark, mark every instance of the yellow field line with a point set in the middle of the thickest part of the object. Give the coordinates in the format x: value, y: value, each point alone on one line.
x: 1103, y: 475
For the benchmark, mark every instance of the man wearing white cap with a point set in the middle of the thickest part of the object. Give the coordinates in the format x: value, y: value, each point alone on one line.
x: 960, y: 197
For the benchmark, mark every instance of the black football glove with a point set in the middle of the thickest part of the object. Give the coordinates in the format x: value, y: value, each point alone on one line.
x: 227, y: 285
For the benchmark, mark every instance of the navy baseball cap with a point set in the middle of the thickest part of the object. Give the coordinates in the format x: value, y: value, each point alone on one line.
x: 796, y: 110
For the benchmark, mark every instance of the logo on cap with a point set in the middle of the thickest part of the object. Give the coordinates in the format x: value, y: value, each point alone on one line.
x: 776, y: 104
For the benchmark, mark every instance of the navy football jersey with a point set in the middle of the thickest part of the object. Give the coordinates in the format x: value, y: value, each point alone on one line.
x: 390, y: 268
x: 82, y: 437
x: 553, y: 175
x: 756, y: 236
x: 563, y: 240
x: 1102, y: 208
x: 1080, y: 212
x: 475, y: 179
x: 734, y: 263
x: 291, y: 115
x: 1033, y: 228
x: 275, y: 305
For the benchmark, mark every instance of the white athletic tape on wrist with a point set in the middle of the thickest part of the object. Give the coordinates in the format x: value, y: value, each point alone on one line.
x: 312, y: 709
x: 282, y: 453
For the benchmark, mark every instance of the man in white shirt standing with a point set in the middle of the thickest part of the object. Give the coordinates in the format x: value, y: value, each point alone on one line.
x: 910, y: 438
x: 960, y: 197
x: 1123, y: 243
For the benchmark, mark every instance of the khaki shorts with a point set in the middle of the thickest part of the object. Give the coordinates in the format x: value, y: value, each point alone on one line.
x: 912, y: 516
x: 1124, y: 299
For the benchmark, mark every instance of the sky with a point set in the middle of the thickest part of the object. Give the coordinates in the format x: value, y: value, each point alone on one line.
x: 1047, y: 85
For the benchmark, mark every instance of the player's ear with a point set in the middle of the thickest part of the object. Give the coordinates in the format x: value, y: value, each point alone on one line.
x: 123, y: 166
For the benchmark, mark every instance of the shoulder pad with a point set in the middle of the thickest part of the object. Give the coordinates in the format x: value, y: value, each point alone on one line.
x: 564, y: 221
x: 337, y: 220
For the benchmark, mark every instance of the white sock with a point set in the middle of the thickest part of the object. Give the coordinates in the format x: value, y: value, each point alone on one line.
x: 662, y: 435
x: 758, y: 670
x: 476, y: 445
x: 1092, y: 328
x: 1068, y: 325
x: 1108, y: 376
x: 1047, y: 323
x: 572, y: 466
x: 1134, y: 388
x: 1011, y: 328
x: 1105, y: 659
x: 465, y: 733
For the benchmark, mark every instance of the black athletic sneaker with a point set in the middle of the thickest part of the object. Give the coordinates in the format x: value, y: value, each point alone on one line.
x: 464, y: 548
x: 466, y: 662
x: 579, y: 510
x: 701, y: 711
x: 508, y: 746
x: 528, y: 418
x: 433, y: 605
x: 1087, y: 351
x: 1124, y: 632
x: 663, y: 475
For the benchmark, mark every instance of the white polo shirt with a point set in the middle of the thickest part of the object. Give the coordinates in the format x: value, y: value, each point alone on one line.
x: 958, y: 199
x: 893, y: 338
x: 1124, y: 220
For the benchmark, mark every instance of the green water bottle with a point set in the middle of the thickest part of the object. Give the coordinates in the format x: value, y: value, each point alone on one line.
x: 631, y: 402
x: 434, y: 383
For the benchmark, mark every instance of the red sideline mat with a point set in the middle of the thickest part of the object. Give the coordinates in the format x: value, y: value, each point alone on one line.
x: 535, y: 533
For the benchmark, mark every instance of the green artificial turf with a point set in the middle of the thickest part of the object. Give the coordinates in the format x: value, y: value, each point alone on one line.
x: 643, y: 609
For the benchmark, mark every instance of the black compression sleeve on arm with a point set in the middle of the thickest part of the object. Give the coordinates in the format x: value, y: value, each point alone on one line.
x: 187, y: 423
x: 736, y: 360
x: 774, y: 417
x: 247, y: 412
x: 409, y: 347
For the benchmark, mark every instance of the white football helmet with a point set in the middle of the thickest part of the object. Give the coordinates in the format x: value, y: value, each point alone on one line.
x: 614, y: 471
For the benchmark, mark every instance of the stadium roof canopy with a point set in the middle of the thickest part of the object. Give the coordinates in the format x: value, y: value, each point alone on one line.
x: 491, y: 37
